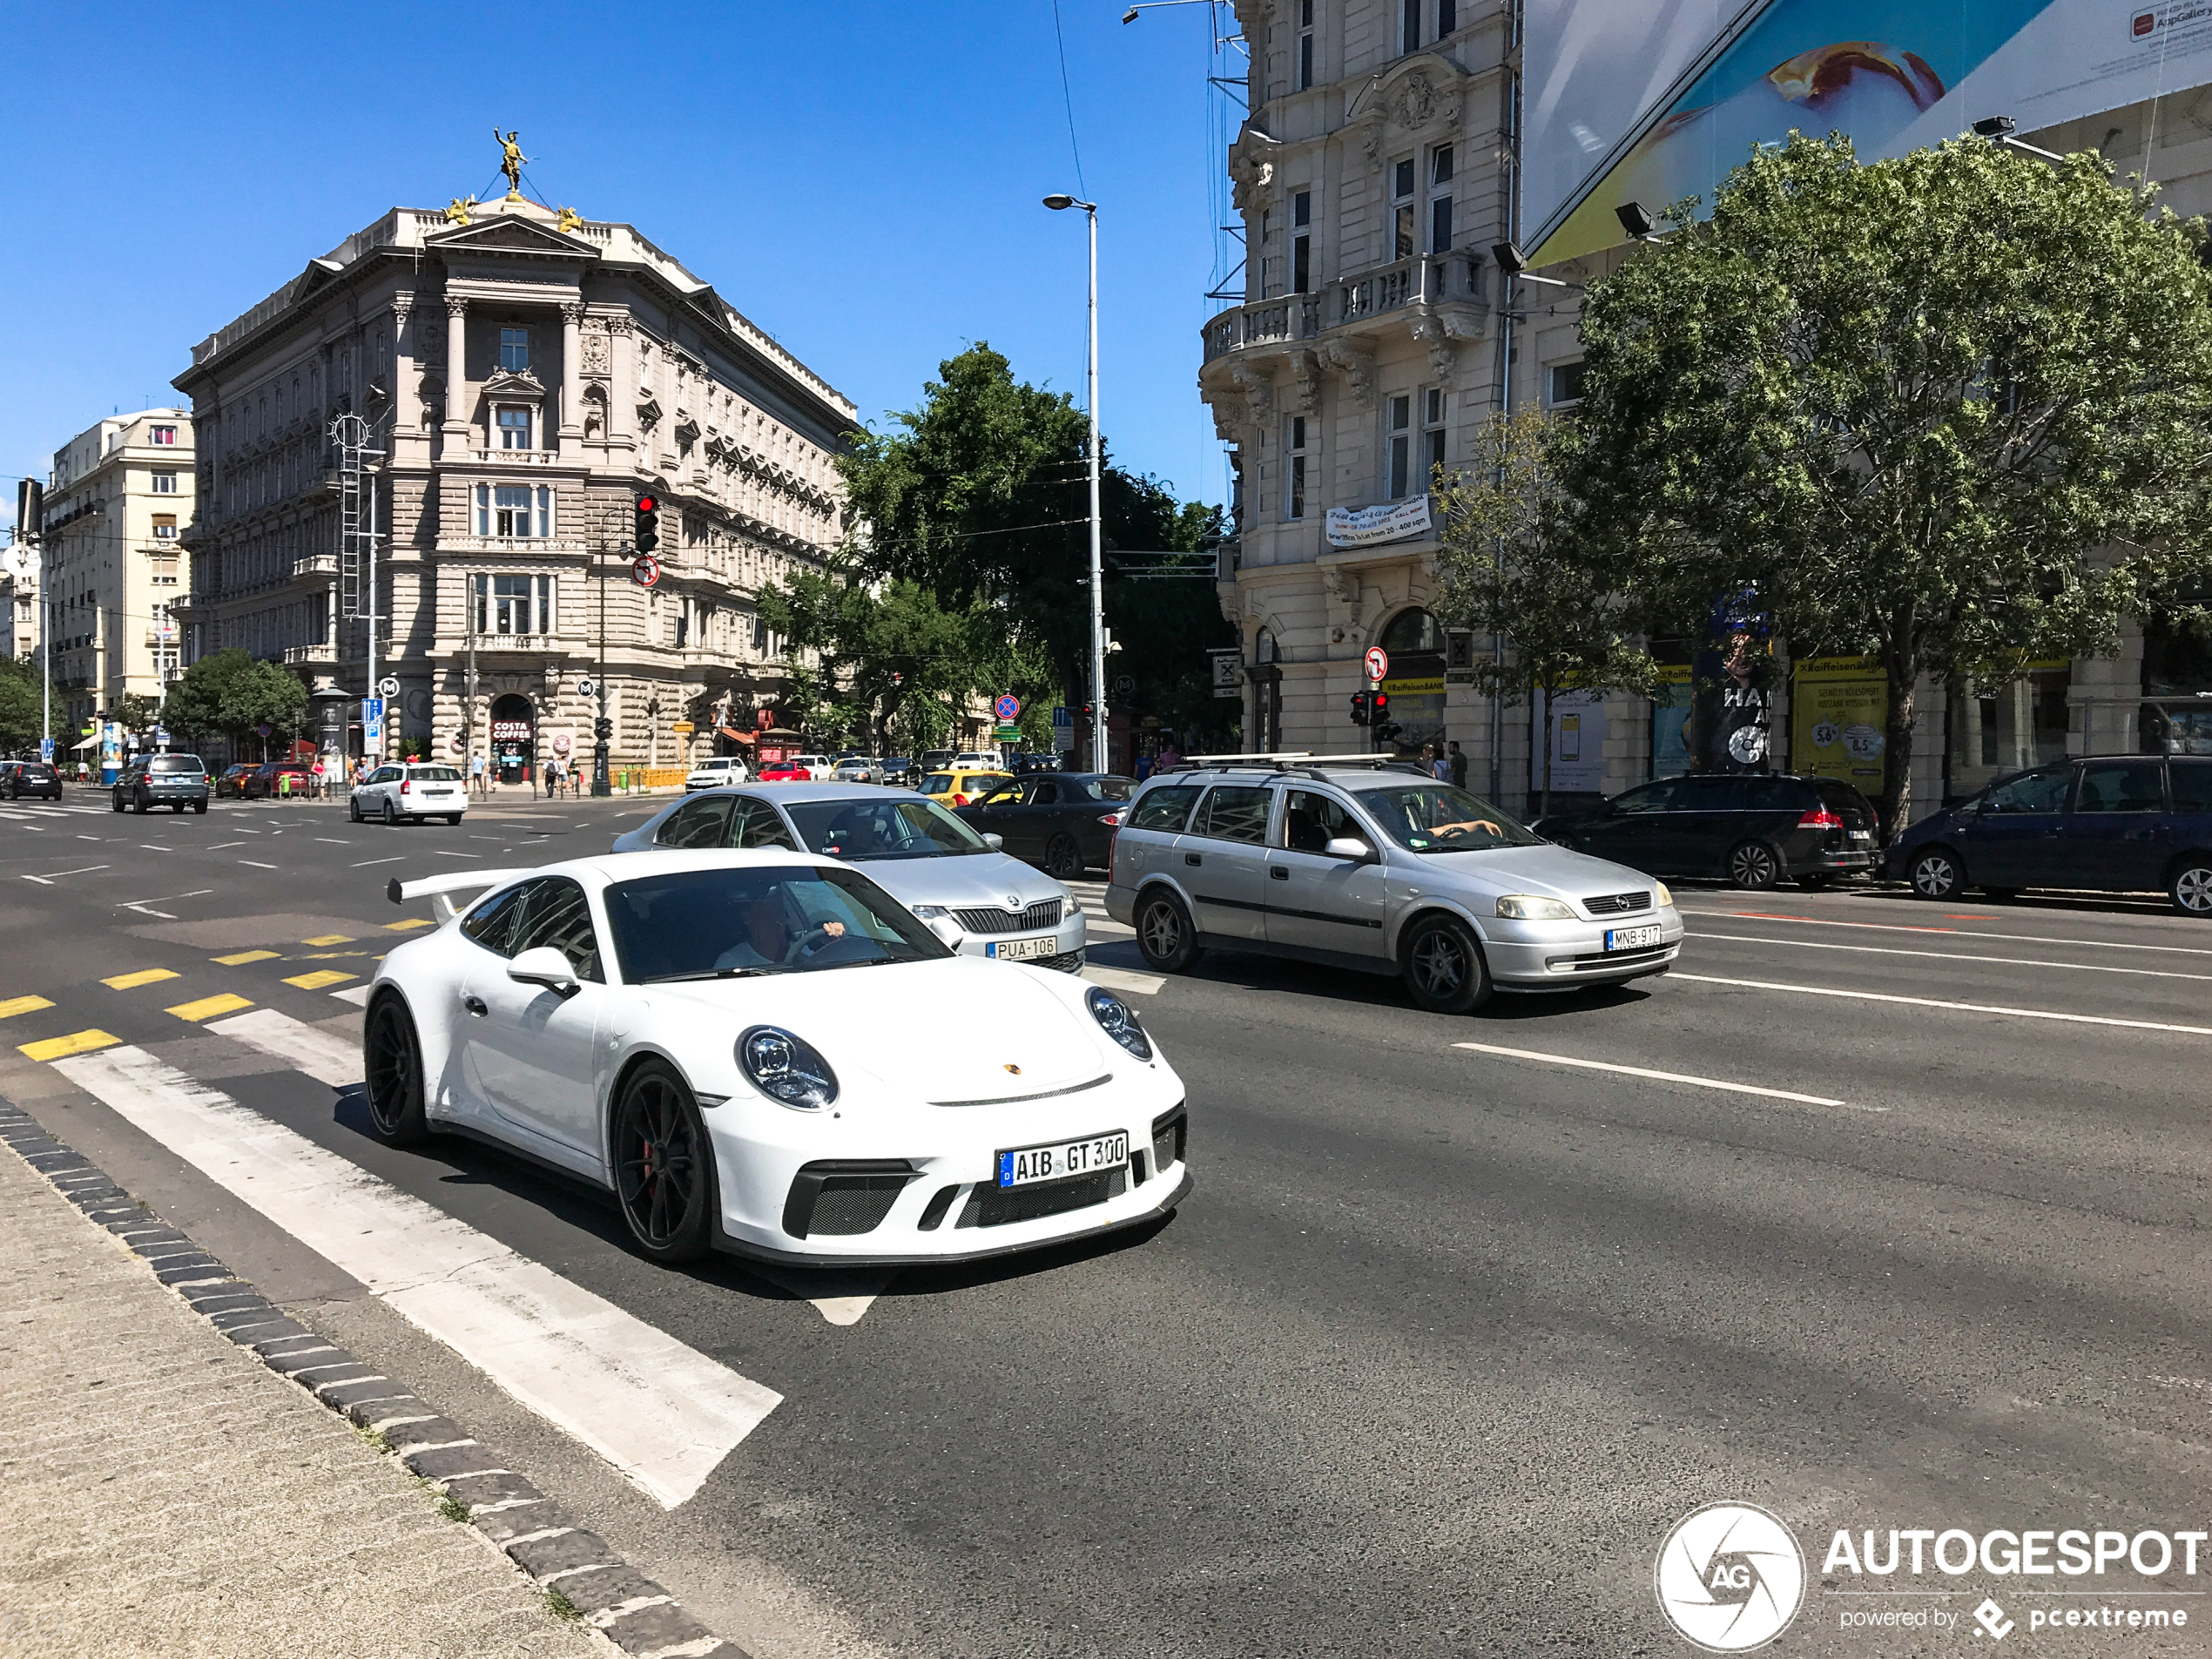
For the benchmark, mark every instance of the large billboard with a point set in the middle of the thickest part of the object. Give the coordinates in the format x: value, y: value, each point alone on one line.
x: 1654, y: 100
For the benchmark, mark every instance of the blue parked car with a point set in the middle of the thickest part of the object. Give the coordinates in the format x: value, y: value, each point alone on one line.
x: 2114, y: 823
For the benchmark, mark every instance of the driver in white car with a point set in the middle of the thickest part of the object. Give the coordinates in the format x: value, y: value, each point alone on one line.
x: 771, y: 940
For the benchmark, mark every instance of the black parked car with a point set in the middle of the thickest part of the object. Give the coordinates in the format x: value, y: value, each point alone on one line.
x: 1064, y: 822
x: 1752, y: 828
x: 174, y: 781
x: 33, y: 777
x: 2116, y: 824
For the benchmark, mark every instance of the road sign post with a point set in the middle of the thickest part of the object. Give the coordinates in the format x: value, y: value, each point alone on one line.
x: 1377, y: 664
x: 1008, y: 708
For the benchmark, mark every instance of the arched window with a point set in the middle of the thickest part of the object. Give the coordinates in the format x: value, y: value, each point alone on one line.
x: 1412, y: 631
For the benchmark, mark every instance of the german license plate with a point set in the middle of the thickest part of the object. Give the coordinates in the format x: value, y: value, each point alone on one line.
x: 1094, y: 1155
x: 1022, y: 950
x: 1630, y: 938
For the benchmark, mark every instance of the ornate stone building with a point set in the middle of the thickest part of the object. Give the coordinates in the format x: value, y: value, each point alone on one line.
x: 526, y: 372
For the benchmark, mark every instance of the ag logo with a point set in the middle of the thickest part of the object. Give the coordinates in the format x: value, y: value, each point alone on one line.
x: 1731, y: 1577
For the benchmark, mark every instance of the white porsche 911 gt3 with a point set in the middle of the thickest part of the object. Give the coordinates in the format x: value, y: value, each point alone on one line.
x: 749, y: 1049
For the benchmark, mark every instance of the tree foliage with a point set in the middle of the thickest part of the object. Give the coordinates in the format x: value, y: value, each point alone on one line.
x: 231, y: 693
x: 1951, y: 411
x: 1514, y: 561
x: 20, y: 705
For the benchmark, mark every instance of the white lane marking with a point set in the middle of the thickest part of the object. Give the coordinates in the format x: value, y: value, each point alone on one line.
x: 162, y: 898
x: 331, y: 1060
x: 48, y: 880
x: 1956, y: 1008
x: 448, y: 853
x: 24, y: 817
x: 1666, y: 1076
x: 148, y: 846
x: 357, y: 995
x: 219, y: 846
x: 1954, y: 933
x: 1120, y: 979
x: 328, y: 841
x: 1953, y: 956
x: 365, y: 863
x: 860, y: 1289
x: 242, y: 830
x: 662, y: 1414
x: 257, y: 863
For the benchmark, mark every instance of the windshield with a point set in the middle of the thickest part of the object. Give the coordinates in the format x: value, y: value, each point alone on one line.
x: 174, y: 763
x: 435, y: 774
x: 773, y: 919
x: 1436, y: 817
x: 882, y: 829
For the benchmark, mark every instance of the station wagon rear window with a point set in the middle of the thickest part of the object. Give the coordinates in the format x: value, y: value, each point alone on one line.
x: 1167, y: 810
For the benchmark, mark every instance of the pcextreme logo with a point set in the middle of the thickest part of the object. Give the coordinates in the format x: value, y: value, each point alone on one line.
x: 1730, y: 1577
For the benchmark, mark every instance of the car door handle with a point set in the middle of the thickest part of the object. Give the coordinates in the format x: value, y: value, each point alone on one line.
x: 475, y: 1005
x: 1192, y: 858
x: 1279, y: 872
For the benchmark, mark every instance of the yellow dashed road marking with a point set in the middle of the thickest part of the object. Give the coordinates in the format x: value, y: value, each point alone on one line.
x: 329, y: 939
x: 208, y: 1007
x: 327, y: 955
x: 76, y: 1042
x: 319, y: 978
x: 406, y: 926
x: 246, y: 956
x: 144, y: 976
x: 22, y: 1005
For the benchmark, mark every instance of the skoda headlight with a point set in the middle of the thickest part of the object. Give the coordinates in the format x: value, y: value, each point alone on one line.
x: 928, y: 911
x: 1665, y: 896
x: 1525, y: 907
x: 786, y: 1068
x: 1118, y: 1021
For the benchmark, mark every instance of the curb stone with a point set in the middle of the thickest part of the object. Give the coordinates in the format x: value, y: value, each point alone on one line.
x: 630, y: 1609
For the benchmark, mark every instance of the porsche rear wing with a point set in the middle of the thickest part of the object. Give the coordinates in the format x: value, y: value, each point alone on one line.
x: 439, y: 889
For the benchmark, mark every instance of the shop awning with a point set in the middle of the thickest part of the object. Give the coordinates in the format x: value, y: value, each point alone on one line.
x: 89, y: 742
x: 736, y: 736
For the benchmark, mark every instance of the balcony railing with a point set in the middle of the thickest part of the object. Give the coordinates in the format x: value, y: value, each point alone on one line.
x: 299, y: 654
x: 511, y: 547
x: 315, y: 565
x: 552, y: 645
x: 1452, y: 278
x: 516, y: 457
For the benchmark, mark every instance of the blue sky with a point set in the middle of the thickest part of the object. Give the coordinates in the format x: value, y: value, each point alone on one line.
x: 862, y: 180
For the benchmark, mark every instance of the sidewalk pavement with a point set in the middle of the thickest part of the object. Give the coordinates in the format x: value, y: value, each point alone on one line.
x: 163, y: 1493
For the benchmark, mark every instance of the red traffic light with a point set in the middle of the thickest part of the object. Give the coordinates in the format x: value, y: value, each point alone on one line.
x: 647, y: 504
x: 1382, y: 702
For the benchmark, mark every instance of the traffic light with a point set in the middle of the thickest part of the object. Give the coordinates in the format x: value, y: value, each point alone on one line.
x: 645, y: 529
x: 602, y: 728
x: 1361, y: 712
x: 1378, y: 707
x: 1387, y: 731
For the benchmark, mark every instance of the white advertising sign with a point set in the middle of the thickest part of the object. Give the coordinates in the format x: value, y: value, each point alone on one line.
x: 1392, y: 521
x: 1578, y: 741
x: 1631, y: 101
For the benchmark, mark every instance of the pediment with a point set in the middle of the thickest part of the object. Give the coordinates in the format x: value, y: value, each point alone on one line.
x: 509, y: 234
x: 508, y: 382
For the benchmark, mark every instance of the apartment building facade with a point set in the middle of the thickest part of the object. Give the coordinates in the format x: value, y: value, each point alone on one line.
x: 525, y: 374
x: 111, y: 561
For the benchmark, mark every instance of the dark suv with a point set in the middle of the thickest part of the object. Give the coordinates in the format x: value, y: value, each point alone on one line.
x: 174, y: 781
x: 1752, y: 828
x: 2121, y: 824
x: 33, y: 777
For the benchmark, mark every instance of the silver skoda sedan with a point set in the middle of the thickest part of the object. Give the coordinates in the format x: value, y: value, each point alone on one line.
x: 1370, y: 866
x: 973, y: 896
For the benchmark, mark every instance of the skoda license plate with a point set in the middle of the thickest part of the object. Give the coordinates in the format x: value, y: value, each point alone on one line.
x: 1092, y: 1156
x: 1630, y: 938
x: 1022, y: 950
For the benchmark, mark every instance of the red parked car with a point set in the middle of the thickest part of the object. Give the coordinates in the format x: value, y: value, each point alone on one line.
x: 261, y: 782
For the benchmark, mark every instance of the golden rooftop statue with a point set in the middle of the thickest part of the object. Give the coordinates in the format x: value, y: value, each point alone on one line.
x: 510, y: 161
x: 569, y: 220
x: 458, y: 212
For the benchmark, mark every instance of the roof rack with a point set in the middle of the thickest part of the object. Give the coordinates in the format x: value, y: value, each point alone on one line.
x: 1299, y: 760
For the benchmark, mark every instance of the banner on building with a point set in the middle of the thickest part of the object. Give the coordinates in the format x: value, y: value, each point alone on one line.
x: 1839, y: 711
x: 1629, y: 101
x: 1392, y: 521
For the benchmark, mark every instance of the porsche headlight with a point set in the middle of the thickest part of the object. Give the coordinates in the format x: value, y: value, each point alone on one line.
x: 786, y: 1068
x: 1523, y: 907
x: 1118, y: 1021
x: 1664, y: 894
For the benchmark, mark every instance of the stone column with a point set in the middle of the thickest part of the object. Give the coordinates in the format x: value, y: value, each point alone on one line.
x: 407, y: 404
x: 457, y: 427
x: 572, y: 378
x: 622, y: 418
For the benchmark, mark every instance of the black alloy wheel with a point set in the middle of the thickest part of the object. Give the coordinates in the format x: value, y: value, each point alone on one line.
x: 1935, y: 874
x: 392, y: 1067
x: 664, y: 1166
x: 2191, y: 887
x: 1063, y: 860
x: 1752, y: 866
x: 1164, y: 934
x: 116, y: 800
x: 1443, y: 966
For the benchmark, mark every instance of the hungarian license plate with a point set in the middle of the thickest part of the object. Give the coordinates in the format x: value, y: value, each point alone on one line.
x: 1022, y: 950
x: 1092, y: 1156
x: 1862, y: 835
x: 1630, y: 938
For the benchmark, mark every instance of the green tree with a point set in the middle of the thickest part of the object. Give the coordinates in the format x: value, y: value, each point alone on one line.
x: 135, y: 712
x: 1514, y: 561
x: 20, y: 705
x: 980, y: 497
x: 232, y: 694
x: 1950, y: 411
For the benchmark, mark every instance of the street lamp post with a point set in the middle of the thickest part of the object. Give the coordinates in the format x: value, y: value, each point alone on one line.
x: 1059, y: 203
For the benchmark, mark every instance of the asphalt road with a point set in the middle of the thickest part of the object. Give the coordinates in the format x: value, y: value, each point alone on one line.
x: 1447, y: 1338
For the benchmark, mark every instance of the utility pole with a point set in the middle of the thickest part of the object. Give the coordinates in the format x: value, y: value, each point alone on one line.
x: 602, y: 783
x: 1059, y: 203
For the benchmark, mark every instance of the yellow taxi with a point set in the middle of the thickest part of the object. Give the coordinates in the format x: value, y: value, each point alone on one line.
x: 959, y: 788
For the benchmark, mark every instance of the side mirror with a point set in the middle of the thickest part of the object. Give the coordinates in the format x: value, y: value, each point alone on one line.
x: 996, y: 843
x: 1349, y: 846
x: 947, y: 931
x: 545, y: 966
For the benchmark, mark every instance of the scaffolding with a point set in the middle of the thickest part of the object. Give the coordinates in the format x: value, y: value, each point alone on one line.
x: 350, y: 437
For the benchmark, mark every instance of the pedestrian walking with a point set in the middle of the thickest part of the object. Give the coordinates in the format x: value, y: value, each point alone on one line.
x: 475, y: 774
x: 1459, y: 767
